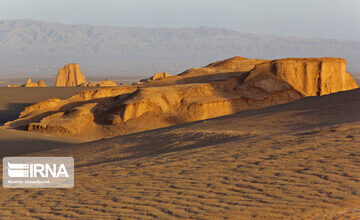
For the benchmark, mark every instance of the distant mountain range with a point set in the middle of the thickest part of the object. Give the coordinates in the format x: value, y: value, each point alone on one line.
x: 32, y: 47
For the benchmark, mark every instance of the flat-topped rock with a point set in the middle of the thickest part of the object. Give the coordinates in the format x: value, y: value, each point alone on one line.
x: 310, y: 76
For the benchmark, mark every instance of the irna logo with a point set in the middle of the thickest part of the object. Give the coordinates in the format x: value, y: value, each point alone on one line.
x: 36, y: 170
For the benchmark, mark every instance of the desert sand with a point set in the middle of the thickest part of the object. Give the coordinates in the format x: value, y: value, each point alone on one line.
x: 292, y: 161
x: 236, y: 139
x: 13, y: 142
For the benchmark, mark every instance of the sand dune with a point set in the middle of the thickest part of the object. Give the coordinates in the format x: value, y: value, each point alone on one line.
x: 293, y: 161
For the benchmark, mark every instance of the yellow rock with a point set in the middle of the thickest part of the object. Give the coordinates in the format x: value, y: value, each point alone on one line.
x: 310, y: 76
x: 235, y: 64
x: 250, y: 84
x: 40, y: 83
x: 104, y: 83
x: 12, y: 85
x: 70, y: 75
x: 156, y: 76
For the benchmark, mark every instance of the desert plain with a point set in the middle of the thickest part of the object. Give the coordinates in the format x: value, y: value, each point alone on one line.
x: 236, y: 139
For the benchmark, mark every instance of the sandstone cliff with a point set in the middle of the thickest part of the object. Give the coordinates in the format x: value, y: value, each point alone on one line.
x: 70, y: 75
x: 123, y: 110
x: 310, y: 76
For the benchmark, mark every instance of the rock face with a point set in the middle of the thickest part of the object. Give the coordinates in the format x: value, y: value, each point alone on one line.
x: 40, y: 83
x: 104, y: 83
x: 70, y: 75
x: 310, y: 76
x: 123, y: 110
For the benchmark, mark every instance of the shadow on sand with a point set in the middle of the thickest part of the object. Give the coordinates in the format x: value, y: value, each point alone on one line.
x: 20, y: 146
x: 12, y: 111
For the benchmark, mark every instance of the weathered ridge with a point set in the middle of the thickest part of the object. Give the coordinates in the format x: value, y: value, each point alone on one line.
x: 221, y: 88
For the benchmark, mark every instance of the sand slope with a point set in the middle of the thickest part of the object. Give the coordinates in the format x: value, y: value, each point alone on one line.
x: 293, y: 161
x: 17, y: 143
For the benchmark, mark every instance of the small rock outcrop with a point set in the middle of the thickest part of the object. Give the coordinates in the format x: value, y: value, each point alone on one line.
x: 161, y: 75
x: 104, y: 83
x: 29, y: 83
x: 70, y: 75
x: 156, y: 76
x: 12, y: 86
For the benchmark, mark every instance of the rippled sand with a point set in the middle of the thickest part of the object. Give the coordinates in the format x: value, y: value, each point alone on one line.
x: 294, y: 161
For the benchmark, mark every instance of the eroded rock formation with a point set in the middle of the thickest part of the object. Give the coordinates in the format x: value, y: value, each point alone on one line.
x: 217, y: 71
x: 40, y: 83
x: 235, y: 64
x: 123, y: 110
x: 70, y: 75
x: 156, y: 76
x: 104, y: 83
x: 310, y: 76
x: 29, y: 83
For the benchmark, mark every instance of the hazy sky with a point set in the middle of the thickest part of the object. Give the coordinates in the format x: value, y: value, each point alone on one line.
x: 309, y: 18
